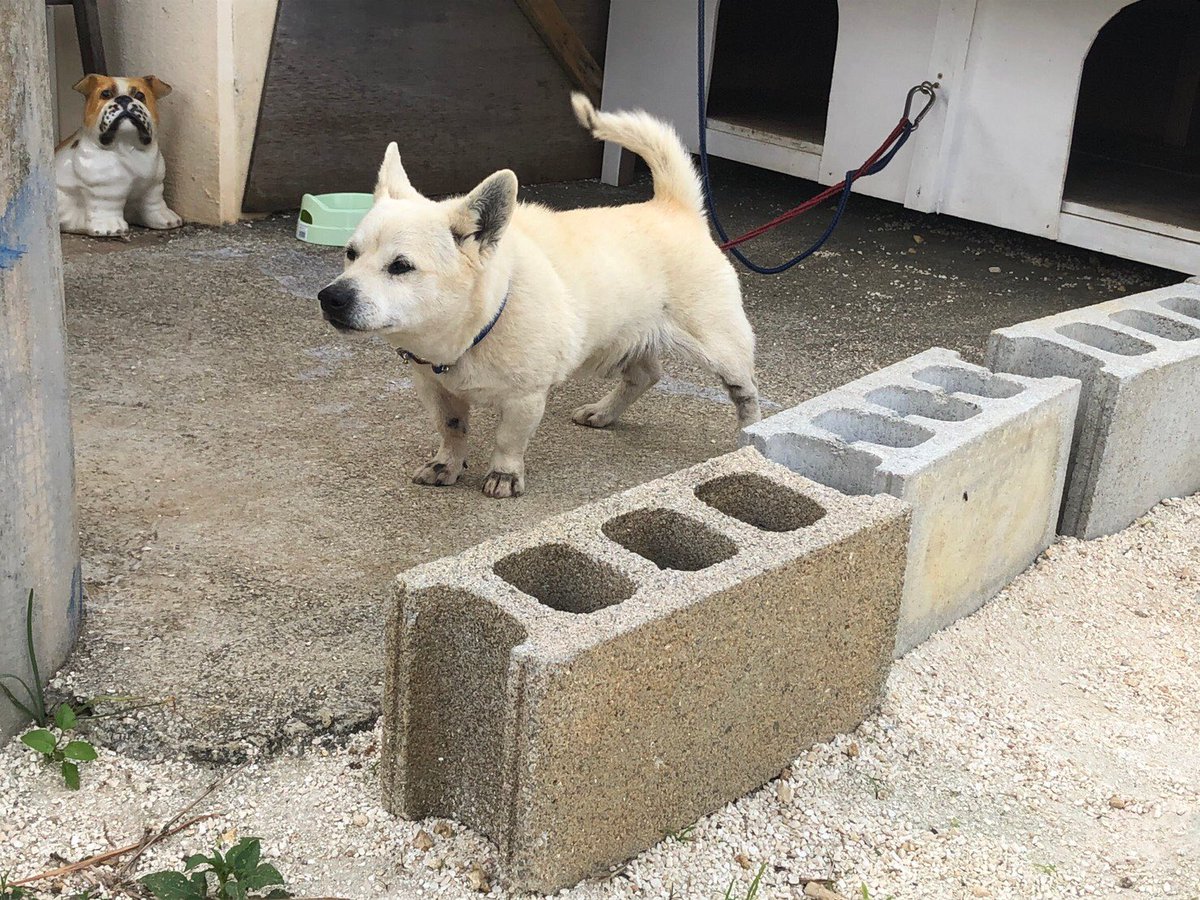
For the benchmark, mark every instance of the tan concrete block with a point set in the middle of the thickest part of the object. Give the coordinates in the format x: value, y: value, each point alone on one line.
x: 583, y: 689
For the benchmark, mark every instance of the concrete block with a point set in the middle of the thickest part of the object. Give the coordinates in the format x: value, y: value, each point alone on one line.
x: 980, y: 458
x: 1137, y: 436
x: 579, y: 691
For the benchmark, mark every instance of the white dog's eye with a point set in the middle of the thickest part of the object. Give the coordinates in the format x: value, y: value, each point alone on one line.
x: 351, y: 254
x: 399, y: 266
x: 139, y: 96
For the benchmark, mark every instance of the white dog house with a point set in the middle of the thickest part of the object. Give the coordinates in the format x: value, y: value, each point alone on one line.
x: 1077, y: 120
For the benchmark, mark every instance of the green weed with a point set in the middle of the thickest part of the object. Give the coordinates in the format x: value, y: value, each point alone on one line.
x: 752, y: 891
x: 36, y: 707
x: 67, y: 754
x: 238, y: 874
x: 8, y: 891
x: 684, y: 835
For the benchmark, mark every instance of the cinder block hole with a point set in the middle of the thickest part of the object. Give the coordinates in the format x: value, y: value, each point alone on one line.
x: 928, y: 405
x: 859, y: 425
x: 1185, y: 306
x: 670, y: 540
x: 965, y: 381
x: 1159, y: 325
x: 849, y: 469
x: 562, y: 578
x: 760, y: 502
x: 1104, y: 339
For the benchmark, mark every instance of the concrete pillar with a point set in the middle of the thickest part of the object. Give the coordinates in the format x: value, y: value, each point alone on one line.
x: 38, y: 536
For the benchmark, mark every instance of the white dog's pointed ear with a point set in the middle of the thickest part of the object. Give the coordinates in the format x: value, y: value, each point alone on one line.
x: 393, y: 180
x: 484, y: 213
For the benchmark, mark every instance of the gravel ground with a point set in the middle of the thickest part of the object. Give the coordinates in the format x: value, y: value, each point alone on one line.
x: 1046, y: 747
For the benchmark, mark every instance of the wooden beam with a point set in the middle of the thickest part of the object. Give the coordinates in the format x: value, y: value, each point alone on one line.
x: 564, y: 43
x: 87, y: 27
x: 91, y: 42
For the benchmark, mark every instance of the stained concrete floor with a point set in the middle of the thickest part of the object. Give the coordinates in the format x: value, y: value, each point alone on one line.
x: 243, y: 471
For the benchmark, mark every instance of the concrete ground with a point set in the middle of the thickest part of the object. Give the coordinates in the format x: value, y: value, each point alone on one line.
x: 243, y: 471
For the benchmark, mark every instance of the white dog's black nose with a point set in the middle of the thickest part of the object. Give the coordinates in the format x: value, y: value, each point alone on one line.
x: 336, y: 298
x: 123, y: 101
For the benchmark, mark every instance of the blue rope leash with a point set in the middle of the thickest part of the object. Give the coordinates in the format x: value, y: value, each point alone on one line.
x: 851, y: 176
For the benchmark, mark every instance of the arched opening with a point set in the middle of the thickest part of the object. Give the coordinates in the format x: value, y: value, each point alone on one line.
x: 1135, y: 150
x: 773, y: 67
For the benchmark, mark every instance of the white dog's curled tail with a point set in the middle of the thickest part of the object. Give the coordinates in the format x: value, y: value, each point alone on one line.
x: 652, y: 139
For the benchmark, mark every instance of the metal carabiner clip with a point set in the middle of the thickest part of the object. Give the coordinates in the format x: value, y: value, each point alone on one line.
x: 925, y: 87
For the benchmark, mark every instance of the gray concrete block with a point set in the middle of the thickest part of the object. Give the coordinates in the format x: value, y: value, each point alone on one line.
x: 980, y: 458
x: 1137, y: 436
x: 583, y: 689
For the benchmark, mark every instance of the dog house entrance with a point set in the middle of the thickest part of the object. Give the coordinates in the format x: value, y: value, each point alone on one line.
x: 772, y: 70
x: 1135, y: 152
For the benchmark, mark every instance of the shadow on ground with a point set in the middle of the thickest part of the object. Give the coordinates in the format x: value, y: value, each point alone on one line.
x: 243, y: 471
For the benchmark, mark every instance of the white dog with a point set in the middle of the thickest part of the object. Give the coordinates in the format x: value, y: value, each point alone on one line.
x: 111, y: 168
x: 498, y: 301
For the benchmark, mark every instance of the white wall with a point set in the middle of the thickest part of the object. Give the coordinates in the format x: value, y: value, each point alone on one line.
x: 1009, y: 146
x: 214, y: 54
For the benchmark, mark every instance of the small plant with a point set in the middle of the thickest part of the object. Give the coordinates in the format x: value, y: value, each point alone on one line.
x: 36, y: 709
x: 752, y: 891
x: 239, y: 874
x: 878, y: 787
x: 684, y: 835
x: 68, y: 755
x: 8, y: 891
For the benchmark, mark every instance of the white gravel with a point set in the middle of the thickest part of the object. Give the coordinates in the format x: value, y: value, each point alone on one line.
x: 1047, y: 747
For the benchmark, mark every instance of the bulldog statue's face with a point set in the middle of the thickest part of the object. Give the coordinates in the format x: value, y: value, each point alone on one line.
x: 121, y: 107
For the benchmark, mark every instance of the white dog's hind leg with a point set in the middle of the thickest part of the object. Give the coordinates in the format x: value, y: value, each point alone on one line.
x: 636, y: 378
x: 744, y: 393
x: 450, y: 415
x: 519, y: 419
x: 152, y: 211
x: 734, y: 365
x: 729, y: 354
x: 735, y: 368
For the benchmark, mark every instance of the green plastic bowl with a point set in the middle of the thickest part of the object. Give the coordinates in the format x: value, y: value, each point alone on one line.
x: 330, y: 219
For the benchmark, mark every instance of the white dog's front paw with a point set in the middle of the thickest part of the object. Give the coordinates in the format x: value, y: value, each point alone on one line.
x: 504, y: 484
x: 440, y: 474
x: 162, y: 219
x: 107, y: 226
